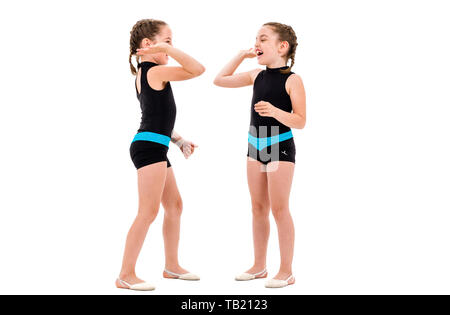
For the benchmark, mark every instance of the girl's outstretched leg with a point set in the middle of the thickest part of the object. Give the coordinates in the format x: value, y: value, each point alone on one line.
x: 280, y: 174
x: 151, y: 180
x: 258, y: 188
x: 173, y: 207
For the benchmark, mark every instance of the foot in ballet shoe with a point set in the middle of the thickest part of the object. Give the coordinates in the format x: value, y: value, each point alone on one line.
x: 141, y: 286
x: 183, y: 276
x: 278, y: 283
x: 251, y: 276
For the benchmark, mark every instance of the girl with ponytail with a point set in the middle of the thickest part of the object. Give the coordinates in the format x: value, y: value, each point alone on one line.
x: 278, y: 104
x: 151, y: 43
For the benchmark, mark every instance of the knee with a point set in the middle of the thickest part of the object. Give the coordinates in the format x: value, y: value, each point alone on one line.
x: 279, y: 210
x: 175, y: 209
x: 147, y: 214
x: 260, y: 210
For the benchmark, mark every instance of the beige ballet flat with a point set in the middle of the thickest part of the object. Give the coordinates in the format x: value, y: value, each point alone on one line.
x: 251, y: 276
x: 276, y: 283
x: 184, y: 276
x: 143, y: 286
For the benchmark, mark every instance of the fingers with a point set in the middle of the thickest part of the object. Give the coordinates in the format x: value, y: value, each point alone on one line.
x: 143, y: 51
x: 188, y: 148
x: 262, y: 108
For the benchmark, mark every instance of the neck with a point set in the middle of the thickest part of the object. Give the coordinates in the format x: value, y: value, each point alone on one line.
x: 147, y: 58
x: 277, y: 64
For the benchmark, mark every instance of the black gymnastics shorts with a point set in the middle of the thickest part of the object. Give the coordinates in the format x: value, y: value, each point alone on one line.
x: 281, y: 151
x: 144, y: 152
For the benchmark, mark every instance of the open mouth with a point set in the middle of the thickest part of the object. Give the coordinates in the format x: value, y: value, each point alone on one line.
x: 259, y: 52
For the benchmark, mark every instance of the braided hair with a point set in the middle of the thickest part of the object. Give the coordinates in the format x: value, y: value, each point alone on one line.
x: 285, y: 33
x: 146, y: 28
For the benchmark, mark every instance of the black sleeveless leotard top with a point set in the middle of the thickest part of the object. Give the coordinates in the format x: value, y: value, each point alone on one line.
x: 158, y: 107
x: 269, y: 86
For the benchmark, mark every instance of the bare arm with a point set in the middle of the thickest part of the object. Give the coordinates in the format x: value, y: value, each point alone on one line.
x: 226, y: 78
x: 190, y: 68
x: 296, y: 90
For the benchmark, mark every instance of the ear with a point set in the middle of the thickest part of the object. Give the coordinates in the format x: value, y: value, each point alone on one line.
x: 146, y: 42
x: 284, y: 46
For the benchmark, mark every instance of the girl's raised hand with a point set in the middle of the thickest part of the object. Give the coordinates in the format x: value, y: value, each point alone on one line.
x: 157, y: 48
x: 250, y: 53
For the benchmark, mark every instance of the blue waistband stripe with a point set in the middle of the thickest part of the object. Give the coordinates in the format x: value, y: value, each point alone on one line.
x: 261, y: 143
x: 152, y: 136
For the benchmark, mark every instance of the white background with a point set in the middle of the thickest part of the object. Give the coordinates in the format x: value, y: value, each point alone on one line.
x: 370, y: 197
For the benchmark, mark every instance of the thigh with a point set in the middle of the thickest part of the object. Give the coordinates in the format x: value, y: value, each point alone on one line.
x: 151, y: 181
x: 171, y: 197
x: 257, y: 183
x: 279, y: 178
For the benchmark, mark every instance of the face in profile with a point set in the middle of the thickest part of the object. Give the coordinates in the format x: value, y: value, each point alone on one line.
x: 268, y: 47
x: 164, y: 36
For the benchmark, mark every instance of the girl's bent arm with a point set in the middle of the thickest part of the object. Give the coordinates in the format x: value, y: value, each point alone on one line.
x: 296, y: 91
x: 190, y: 68
x: 225, y: 78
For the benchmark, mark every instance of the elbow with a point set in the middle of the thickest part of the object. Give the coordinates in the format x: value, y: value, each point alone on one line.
x: 201, y: 69
x: 301, y: 123
x: 217, y: 81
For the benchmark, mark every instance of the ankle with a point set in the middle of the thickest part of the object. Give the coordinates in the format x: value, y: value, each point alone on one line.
x: 285, y: 272
x: 127, y: 275
x: 259, y: 267
x: 172, y: 267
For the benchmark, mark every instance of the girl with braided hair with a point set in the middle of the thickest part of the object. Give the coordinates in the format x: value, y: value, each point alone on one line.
x: 278, y: 104
x: 151, y: 43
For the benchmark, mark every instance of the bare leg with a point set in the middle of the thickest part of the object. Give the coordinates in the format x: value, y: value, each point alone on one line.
x: 257, y: 184
x: 279, y: 183
x: 173, y: 206
x: 151, y: 179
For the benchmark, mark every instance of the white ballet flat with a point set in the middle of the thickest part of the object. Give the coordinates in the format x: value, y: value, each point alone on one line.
x: 184, y: 276
x: 276, y: 283
x: 143, y: 286
x: 251, y: 276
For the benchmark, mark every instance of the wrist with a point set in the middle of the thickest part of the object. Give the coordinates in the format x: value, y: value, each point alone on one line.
x: 276, y: 113
x: 175, y: 139
x: 242, y: 54
x: 179, y: 142
x: 167, y: 49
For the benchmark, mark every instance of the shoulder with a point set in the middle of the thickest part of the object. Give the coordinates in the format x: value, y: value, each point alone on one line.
x: 254, y: 73
x: 154, y: 80
x: 292, y: 82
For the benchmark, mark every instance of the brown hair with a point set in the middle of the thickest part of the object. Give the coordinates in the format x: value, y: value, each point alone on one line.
x: 285, y: 33
x: 147, y: 28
